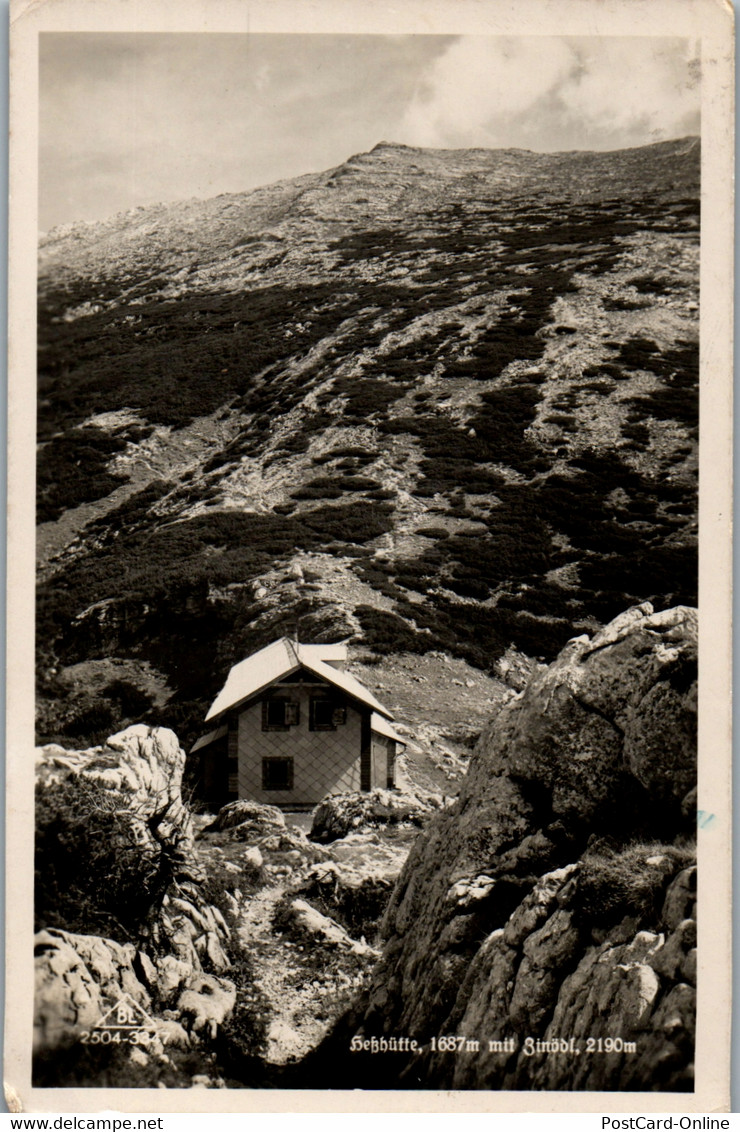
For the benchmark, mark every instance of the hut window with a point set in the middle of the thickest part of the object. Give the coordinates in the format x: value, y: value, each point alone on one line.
x: 279, y: 715
x: 277, y: 774
x: 326, y: 715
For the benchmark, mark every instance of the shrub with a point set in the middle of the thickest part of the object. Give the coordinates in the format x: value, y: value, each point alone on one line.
x: 92, y: 724
x: 73, y: 469
x: 433, y: 532
x: 314, y: 491
x: 387, y: 633
x: 91, y: 875
x: 131, y: 700
x: 597, y: 386
x: 241, y: 1040
x: 605, y: 369
x: 469, y: 587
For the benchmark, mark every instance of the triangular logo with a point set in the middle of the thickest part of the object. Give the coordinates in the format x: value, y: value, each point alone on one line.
x: 125, y: 1014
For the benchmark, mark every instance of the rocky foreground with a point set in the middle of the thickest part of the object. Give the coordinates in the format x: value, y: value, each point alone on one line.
x: 549, y: 908
x: 555, y: 899
x: 115, y: 845
x: 219, y: 934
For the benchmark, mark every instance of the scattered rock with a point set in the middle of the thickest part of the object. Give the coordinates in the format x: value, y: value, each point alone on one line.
x: 307, y: 921
x: 171, y: 975
x: 253, y: 858
x: 173, y: 1035
x: 357, y: 896
x: 206, y: 1003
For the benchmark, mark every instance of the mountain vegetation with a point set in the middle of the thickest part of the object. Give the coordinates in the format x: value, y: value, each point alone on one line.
x: 429, y: 400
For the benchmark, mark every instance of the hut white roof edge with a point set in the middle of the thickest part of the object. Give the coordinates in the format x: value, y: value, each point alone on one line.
x: 211, y: 737
x: 263, y: 668
x: 383, y: 727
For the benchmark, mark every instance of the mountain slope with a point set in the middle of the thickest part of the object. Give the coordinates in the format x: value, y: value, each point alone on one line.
x: 434, y: 400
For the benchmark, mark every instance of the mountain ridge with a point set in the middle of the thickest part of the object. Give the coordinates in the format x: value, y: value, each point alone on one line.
x: 463, y: 403
x: 667, y: 149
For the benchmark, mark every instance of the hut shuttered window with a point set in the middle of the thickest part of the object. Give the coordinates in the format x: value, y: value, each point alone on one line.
x: 279, y: 715
x: 326, y: 715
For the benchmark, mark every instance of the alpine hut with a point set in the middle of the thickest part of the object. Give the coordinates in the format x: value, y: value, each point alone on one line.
x: 290, y: 725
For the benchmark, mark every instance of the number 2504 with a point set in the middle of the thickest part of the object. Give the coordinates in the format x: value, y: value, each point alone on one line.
x: 114, y: 1037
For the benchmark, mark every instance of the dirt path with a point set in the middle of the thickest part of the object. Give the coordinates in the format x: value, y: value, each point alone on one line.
x: 305, y: 985
x: 300, y: 976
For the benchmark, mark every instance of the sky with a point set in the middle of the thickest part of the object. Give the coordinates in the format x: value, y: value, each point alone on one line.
x: 133, y: 119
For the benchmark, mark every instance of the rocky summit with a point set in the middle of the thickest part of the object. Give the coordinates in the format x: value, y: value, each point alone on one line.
x: 443, y: 403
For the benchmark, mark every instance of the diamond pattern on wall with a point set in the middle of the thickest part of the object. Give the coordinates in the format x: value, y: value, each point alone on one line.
x: 323, y: 761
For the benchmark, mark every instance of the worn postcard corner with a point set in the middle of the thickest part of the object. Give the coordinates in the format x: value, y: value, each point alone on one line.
x: 369, y: 605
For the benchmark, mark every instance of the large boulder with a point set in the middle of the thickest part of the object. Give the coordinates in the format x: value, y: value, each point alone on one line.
x: 75, y: 976
x: 301, y: 920
x: 260, y: 820
x: 81, y: 979
x: 512, y: 918
x: 340, y: 814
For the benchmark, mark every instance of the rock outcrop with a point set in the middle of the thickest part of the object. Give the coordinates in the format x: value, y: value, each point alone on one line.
x: 354, y: 881
x: 137, y: 778
x: 340, y: 814
x: 260, y: 820
x: 304, y: 921
x: 173, y: 951
x: 75, y: 976
x: 554, y: 900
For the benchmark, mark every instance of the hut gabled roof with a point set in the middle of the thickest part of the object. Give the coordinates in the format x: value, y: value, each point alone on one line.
x: 251, y: 676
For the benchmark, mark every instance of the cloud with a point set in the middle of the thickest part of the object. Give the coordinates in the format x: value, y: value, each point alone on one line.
x: 554, y: 92
x: 471, y: 90
x: 630, y: 84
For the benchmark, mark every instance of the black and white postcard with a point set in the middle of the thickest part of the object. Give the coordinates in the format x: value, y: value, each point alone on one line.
x: 369, y: 603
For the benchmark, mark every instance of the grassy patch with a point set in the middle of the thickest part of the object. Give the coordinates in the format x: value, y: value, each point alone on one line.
x: 630, y: 882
